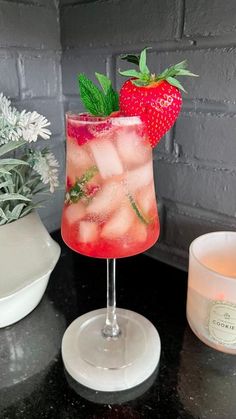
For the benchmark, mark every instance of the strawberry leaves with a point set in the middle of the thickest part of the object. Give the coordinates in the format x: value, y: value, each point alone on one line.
x: 143, y: 77
x: 98, y: 102
x: 142, y: 62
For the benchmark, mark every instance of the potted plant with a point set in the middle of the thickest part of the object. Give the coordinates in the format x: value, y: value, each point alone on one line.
x: 27, y: 252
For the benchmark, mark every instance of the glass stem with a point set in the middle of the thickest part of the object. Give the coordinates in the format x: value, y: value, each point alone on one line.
x: 111, y: 328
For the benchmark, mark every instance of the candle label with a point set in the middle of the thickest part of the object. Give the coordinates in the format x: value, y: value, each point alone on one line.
x: 222, y: 322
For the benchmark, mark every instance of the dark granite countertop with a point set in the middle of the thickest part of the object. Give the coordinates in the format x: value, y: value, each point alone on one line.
x: 193, y: 381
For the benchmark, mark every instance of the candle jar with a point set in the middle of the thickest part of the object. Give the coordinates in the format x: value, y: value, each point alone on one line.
x: 211, y: 299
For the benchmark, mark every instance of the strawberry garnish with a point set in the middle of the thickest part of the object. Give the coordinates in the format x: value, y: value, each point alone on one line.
x: 155, y: 98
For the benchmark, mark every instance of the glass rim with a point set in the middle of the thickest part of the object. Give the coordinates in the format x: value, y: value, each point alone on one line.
x: 197, y: 259
x: 94, y: 119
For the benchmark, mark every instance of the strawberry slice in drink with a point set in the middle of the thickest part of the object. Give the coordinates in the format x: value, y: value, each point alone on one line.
x: 79, y: 132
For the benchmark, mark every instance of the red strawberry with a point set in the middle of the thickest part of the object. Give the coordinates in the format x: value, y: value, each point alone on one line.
x: 156, y: 99
x: 158, y: 104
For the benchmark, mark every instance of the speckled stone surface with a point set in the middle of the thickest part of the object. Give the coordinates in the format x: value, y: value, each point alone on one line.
x: 193, y: 380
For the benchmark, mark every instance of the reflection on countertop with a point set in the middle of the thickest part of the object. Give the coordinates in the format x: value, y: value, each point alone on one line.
x: 193, y: 381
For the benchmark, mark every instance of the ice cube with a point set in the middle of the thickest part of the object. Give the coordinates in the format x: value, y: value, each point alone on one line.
x: 106, y: 158
x: 88, y: 232
x: 78, y: 160
x: 119, y: 224
x: 138, y: 233
x: 140, y: 177
x: 126, y: 121
x: 146, y: 198
x: 132, y: 149
x: 107, y: 199
x: 74, y: 212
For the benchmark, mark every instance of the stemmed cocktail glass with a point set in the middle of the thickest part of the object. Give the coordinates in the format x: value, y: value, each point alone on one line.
x: 110, y: 212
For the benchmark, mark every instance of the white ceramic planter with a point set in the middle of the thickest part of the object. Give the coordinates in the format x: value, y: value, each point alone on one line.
x: 28, y: 255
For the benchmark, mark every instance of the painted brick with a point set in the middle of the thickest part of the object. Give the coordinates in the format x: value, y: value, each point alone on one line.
x: 28, y: 26
x: 181, y: 229
x: 47, y: 3
x: 216, y: 69
x: 51, y: 212
x: 51, y: 109
x: 207, y: 18
x: 72, y: 65
x: 74, y: 105
x: 207, y: 137
x: 71, y: 2
x: 109, y: 23
x: 213, y: 190
x: 40, y: 76
x: 8, y: 76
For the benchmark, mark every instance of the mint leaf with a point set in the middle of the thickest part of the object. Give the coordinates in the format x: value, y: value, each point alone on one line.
x: 112, y: 99
x: 98, y: 102
x: 92, y: 98
x: 115, y: 100
x: 131, y: 58
x: 104, y: 82
x: 76, y: 192
x: 136, y: 210
x: 111, y: 96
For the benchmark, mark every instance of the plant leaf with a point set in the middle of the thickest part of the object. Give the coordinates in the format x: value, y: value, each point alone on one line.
x: 187, y: 73
x: 2, y: 214
x: 131, y: 58
x: 112, y: 99
x: 6, y: 148
x: 92, y: 98
x: 139, y: 83
x: 13, y: 196
x: 17, y: 211
x: 15, y: 162
x: 131, y: 73
x: 4, y: 171
x: 143, y: 62
x: 104, y: 81
x: 136, y: 210
x: 5, y: 184
x: 76, y: 192
x: 176, y: 83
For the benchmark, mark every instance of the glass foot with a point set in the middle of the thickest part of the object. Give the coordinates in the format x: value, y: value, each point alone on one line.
x: 111, y: 364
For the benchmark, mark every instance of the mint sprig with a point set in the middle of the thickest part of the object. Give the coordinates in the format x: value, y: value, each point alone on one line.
x: 98, y: 102
x: 76, y: 192
x: 137, y: 210
x: 144, y: 77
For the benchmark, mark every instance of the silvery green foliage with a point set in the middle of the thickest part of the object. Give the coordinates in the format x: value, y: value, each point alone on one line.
x: 35, y: 172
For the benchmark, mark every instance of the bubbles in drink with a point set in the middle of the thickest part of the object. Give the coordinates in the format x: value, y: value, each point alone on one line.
x: 110, y: 208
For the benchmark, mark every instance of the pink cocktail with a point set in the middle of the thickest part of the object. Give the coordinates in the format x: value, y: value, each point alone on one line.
x: 110, y: 207
x: 110, y: 212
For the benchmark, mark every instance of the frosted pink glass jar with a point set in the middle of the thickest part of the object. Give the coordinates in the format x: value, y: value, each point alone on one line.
x: 211, y: 300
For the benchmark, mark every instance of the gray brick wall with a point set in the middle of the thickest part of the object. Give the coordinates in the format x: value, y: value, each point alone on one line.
x: 41, y: 52
x: 30, y: 74
x: 195, y: 164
